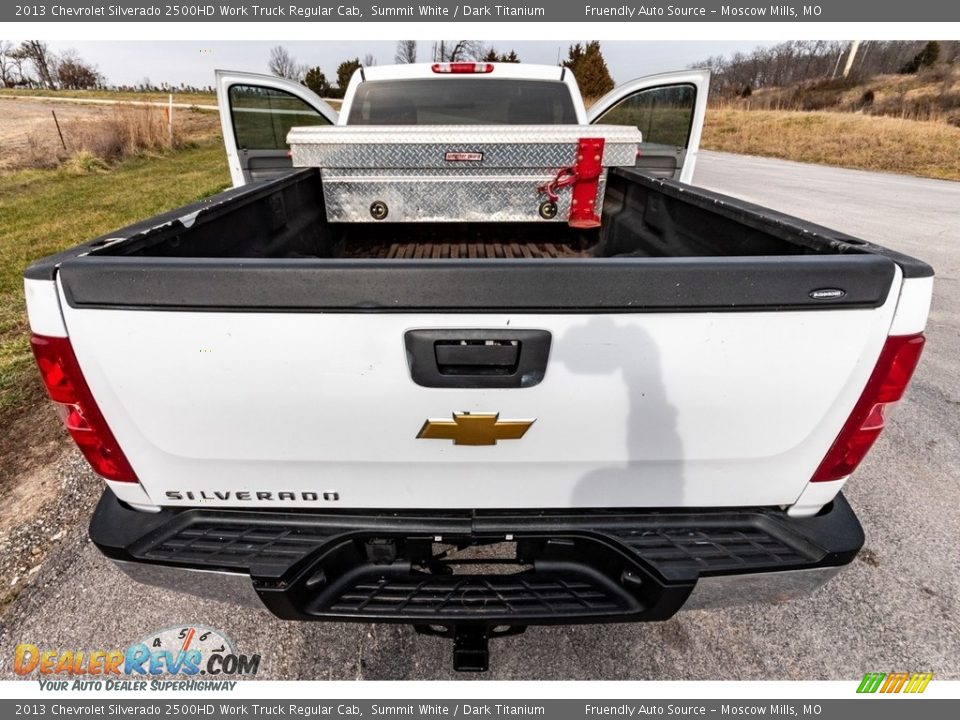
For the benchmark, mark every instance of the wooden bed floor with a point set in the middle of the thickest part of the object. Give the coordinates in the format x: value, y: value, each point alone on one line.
x: 416, y: 250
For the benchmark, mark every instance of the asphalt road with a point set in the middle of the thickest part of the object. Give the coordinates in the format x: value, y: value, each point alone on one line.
x: 895, y: 608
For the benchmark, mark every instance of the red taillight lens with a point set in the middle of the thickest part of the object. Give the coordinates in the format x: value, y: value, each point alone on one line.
x: 886, y: 385
x: 462, y: 67
x: 75, y: 405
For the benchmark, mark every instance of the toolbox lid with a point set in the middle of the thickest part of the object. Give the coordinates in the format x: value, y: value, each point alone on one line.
x: 373, y: 146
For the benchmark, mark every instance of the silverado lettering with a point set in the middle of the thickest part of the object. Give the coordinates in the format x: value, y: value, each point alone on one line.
x: 243, y: 495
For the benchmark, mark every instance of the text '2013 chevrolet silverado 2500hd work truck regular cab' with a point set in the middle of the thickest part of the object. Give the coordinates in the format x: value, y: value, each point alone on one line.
x: 469, y: 357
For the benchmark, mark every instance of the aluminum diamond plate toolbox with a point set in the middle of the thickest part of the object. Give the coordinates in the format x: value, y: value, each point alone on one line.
x: 464, y: 173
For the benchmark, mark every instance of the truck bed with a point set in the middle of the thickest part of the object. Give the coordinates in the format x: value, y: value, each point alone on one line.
x: 643, y: 217
x: 662, y: 246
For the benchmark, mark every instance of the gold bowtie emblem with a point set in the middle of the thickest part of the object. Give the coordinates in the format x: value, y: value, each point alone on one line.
x: 474, y: 429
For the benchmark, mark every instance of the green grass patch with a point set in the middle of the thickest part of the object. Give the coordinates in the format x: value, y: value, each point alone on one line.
x: 45, y: 211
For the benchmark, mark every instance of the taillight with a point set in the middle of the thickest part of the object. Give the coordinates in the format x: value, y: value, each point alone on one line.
x: 886, y: 385
x: 462, y: 67
x: 76, y: 407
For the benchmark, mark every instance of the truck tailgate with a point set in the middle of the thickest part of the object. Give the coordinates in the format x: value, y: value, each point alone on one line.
x: 281, y: 406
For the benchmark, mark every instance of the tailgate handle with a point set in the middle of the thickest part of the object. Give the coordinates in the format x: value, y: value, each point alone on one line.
x: 477, y: 358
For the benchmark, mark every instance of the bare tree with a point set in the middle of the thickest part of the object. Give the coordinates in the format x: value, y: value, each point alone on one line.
x: 7, y: 67
x: 20, y: 76
x: 12, y: 61
x: 369, y: 60
x: 43, y: 60
x: 74, y: 73
x: 283, y: 64
x: 458, y: 50
x: 406, y: 52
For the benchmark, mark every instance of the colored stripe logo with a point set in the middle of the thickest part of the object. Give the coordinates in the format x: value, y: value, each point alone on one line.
x: 899, y: 682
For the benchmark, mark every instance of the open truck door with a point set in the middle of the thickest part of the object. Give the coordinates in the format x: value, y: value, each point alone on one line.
x: 669, y: 110
x: 256, y: 112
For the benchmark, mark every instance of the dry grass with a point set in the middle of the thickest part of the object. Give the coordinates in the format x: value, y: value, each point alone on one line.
x: 125, y: 131
x: 928, y: 149
x: 129, y: 130
x: 931, y: 95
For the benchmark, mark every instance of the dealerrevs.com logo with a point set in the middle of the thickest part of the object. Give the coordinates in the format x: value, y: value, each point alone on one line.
x: 897, y: 682
x: 170, y: 659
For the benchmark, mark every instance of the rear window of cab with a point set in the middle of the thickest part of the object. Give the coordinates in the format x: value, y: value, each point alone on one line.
x: 462, y: 101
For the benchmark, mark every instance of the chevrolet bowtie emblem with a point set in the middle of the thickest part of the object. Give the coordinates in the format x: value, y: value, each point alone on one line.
x: 474, y: 429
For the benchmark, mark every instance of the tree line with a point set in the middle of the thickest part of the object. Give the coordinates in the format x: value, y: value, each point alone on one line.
x: 32, y: 64
x: 585, y: 60
x: 800, y: 61
x: 283, y: 64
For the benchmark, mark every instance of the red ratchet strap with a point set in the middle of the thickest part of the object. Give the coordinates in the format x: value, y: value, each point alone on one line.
x: 584, y: 176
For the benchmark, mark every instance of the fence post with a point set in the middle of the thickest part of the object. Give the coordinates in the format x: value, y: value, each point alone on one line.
x: 170, y: 120
x: 59, y: 131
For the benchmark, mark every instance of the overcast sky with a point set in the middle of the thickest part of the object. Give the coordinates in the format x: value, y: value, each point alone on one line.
x: 193, y: 63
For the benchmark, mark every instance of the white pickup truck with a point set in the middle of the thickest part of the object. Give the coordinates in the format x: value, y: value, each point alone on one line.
x: 477, y: 425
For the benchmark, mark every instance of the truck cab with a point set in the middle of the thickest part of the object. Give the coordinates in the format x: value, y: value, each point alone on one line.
x: 668, y: 108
